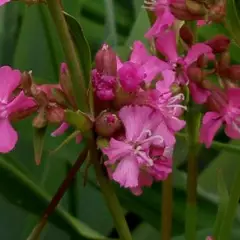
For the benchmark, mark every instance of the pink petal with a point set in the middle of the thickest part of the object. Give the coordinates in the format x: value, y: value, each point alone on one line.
x: 20, y: 103
x: 199, y: 94
x: 164, y: 132
x: 8, y: 136
x: 139, y: 53
x: 164, y: 85
x: 2, y: 2
x: 130, y: 76
x: 116, y: 150
x: 60, y: 130
x: 209, y: 128
x: 195, y: 52
x: 9, y: 81
x: 153, y: 67
x: 166, y: 44
x: 127, y: 172
x: 162, y: 22
x: 162, y: 168
x: 232, y: 130
x: 134, y: 118
x: 234, y: 96
x: 119, y: 63
x: 175, y: 124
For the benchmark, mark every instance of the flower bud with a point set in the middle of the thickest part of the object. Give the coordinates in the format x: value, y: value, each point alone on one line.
x: 219, y: 43
x: 55, y: 114
x: 65, y: 83
x: 48, y: 90
x: 26, y: 82
x: 217, y: 100
x: 60, y: 98
x: 234, y: 72
x: 106, y: 61
x: 107, y: 124
x: 196, y: 8
x: 186, y: 34
x: 195, y: 74
x: 217, y: 12
x: 39, y: 96
x: 181, y: 12
x: 40, y: 120
x: 123, y: 98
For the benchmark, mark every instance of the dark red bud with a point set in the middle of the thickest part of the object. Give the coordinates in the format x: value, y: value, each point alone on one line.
x: 195, y: 74
x: 39, y: 96
x: 219, y: 43
x: 217, y: 12
x: 223, y: 64
x: 217, y: 100
x: 107, y: 124
x: 234, y: 73
x: 106, y: 61
x: 55, y: 114
x: 186, y: 34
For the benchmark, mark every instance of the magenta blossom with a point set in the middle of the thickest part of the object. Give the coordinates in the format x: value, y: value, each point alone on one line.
x: 2, y: 2
x: 10, y: 104
x: 227, y: 112
x: 141, y: 67
x: 104, y: 85
x: 164, y: 20
x: 166, y: 44
x: 142, y: 155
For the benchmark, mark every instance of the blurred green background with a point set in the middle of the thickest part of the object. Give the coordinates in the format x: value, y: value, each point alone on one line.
x: 28, y: 41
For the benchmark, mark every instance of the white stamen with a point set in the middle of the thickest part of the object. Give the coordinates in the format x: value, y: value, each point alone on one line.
x: 143, y: 156
x: 150, y: 139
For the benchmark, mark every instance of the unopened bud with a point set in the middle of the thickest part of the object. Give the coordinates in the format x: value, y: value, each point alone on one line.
x: 223, y: 64
x: 123, y: 98
x: 107, y: 124
x: 181, y: 12
x: 234, y: 72
x: 65, y: 83
x: 40, y: 120
x: 106, y: 61
x: 26, y: 82
x: 219, y: 43
x: 217, y: 12
x: 55, y: 114
x: 195, y: 74
x: 39, y: 96
x: 186, y: 34
x: 60, y: 98
x: 195, y: 7
x: 218, y: 100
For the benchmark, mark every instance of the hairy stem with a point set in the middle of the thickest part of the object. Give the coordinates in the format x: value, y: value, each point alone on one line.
x: 77, y: 80
x: 166, y: 221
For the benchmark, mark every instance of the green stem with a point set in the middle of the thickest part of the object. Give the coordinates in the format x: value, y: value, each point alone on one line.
x: 193, y: 123
x: 110, y: 197
x: 225, y: 232
x: 55, y: 9
x: 166, y: 221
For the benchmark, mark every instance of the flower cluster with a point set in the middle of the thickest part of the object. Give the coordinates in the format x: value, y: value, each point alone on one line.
x: 140, y: 103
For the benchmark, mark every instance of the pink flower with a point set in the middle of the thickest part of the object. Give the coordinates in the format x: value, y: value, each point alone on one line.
x: 199, y: 94
x: 166, y: 44
x: 2, y: 2
x: 227, y: 111
x: 142, y: 155
x: 141, y: 67
x: 164, y: 20
x: 104, y: 85
x: 10, y: 104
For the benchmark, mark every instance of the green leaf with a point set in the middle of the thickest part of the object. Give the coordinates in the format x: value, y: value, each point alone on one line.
x: 38, y: 143
x: 79, y: 120
x: 232, y: 20
x: 223, y: 204
x: 81, y: 44
x: 26, y: 194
